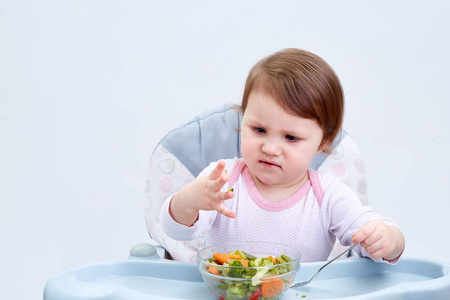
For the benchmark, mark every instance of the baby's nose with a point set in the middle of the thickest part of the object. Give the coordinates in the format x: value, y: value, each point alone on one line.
x: 271, y: 148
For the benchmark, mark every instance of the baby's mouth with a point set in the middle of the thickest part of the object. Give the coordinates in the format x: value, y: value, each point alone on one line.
x: 269, y: 164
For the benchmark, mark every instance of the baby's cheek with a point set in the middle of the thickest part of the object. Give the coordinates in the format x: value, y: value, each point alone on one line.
x: 246, y: 150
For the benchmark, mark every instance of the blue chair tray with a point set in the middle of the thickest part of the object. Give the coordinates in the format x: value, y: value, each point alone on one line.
x: 349, y: 279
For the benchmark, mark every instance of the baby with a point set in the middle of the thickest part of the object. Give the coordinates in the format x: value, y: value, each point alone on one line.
x: 292, y: 109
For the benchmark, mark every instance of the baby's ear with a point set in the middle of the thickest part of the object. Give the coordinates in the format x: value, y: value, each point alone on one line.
x: 324, y: 146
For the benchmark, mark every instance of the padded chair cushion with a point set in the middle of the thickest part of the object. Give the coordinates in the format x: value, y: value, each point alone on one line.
x: 210, y: 136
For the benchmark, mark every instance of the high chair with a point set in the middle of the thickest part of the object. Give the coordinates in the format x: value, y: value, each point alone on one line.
x: 177, y: 159
x: 188, y: 149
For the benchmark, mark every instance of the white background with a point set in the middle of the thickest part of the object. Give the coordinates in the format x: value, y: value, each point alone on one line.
x: 87, y: 89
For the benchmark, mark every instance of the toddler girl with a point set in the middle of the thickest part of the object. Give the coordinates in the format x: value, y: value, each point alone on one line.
x: 292, y: 109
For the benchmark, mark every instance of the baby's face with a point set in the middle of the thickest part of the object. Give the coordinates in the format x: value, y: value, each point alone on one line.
x: 277, y: 147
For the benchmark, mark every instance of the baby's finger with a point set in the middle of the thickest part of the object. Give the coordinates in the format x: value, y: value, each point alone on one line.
x: 226, y: 195
x: 358, y: 237
x: 376, y: 253
x: 220, y: 182
x: 374, y: 247
x: 217, y: 171
x: 225, y: 211
x: 363, y: 233
x: 373, y: 238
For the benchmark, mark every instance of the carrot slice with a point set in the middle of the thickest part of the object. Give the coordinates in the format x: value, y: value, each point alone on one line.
x: 224, y: 257
x: 244, y: 262
x: 271, y: 288
x: 273, y: 259
x: 213, y: 270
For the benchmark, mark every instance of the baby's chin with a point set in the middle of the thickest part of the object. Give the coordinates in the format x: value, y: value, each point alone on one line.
x: 266, y: 180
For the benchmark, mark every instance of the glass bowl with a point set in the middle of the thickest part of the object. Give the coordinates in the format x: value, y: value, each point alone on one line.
x: 266, y: 277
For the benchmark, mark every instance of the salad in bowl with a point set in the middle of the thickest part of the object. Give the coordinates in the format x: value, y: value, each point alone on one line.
x: 248, y: 270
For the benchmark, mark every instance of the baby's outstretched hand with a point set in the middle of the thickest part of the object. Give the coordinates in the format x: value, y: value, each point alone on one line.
x: 214, y: 183
x: 203, y: 193
x: 380, y: 240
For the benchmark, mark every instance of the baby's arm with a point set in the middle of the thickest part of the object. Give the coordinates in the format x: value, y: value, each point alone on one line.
x: 380, y: 240
x: 204, y: 193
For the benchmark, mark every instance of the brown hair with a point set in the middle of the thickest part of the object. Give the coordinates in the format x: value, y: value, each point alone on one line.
x: 304, y: 85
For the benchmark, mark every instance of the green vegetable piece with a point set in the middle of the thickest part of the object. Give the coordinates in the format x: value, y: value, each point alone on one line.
x: 283, y: 269
x: 230, y: 190
x: 265, y: 262
x: 240, y: 253
x: 233, y: 289
x: 286, y: 258
x: 287, y: 266
x: 237, y: 269
x: 212, y: 261
x: 249, y: 256
x: 237, y: 290
x: 280, y: 259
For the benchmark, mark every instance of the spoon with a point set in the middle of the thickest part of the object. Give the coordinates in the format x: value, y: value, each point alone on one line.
x: 299, y: 284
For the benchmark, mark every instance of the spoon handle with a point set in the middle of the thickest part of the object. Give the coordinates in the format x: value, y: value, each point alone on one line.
x: 306, y: 282
x: 349, y: 249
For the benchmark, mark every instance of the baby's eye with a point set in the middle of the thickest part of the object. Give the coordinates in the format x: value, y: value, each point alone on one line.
x: 259, y: 129
x: 291, y: 138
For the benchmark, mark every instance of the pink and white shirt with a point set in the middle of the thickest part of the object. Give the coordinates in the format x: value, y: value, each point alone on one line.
x: 310, y: 220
